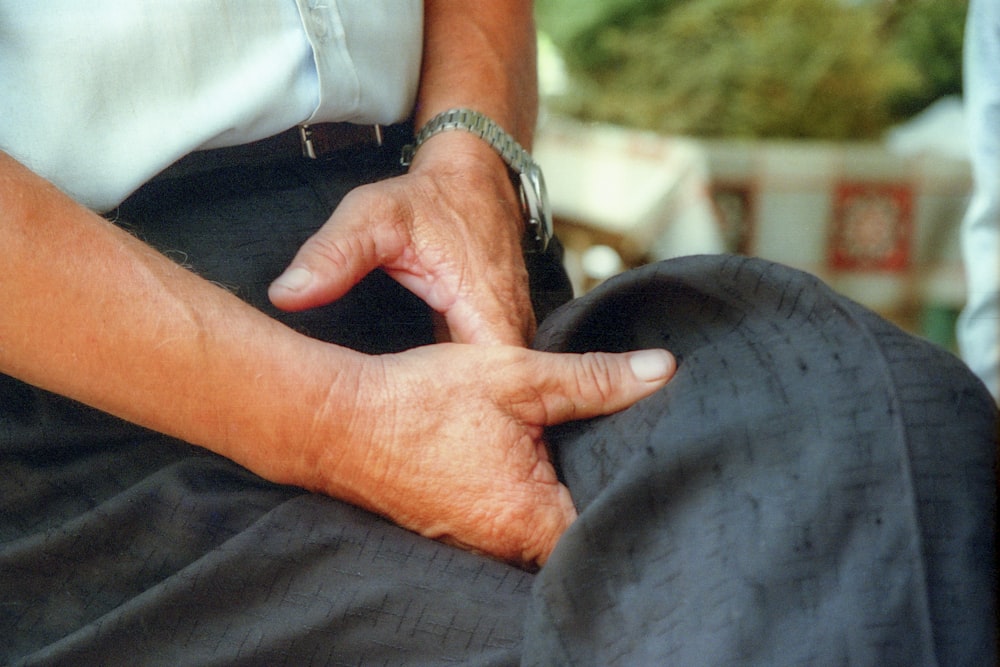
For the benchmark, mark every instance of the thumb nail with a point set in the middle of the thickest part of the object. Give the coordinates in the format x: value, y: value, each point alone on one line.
x: 651, y: 365
x: 294, y: 280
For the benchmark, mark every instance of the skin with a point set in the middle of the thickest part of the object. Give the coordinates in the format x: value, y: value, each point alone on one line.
x: 92, y: 313
x: 450, y: 229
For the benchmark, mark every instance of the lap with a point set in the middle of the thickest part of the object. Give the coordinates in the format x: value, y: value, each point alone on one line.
x: 146, y: 550
x: 813, y: 486
x: 118, y: 545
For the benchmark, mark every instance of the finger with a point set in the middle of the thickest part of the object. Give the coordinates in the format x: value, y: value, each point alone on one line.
x: 472, y: 326
x: 600, y: 383
x: 346, y: 249
x: 499, y: 312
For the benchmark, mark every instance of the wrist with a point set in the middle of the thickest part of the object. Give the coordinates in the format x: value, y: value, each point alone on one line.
x: 460, y: 151
x: 460, y: 160
x: 340, y: 440
x: 293, y: 417
x: 525, y: 174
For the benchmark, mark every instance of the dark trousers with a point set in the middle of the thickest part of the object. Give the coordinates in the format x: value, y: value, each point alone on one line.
x: 813, y: 487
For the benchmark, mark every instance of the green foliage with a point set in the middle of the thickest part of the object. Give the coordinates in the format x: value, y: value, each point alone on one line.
x: 764, y: 68
x: 576, y: 26
x: 928, y: 34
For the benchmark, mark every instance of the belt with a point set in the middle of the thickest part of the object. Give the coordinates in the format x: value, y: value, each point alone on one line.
x: 311, y: 142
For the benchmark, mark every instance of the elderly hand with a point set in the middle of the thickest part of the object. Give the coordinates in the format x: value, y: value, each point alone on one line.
x: 449, y: 231
x: 453, y: 440
x: 447, y: 439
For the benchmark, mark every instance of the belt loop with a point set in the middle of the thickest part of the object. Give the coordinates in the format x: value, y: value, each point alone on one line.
x: 309, y: 149
x: 305, y: 135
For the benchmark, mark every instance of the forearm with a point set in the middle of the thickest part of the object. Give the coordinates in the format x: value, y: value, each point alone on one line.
x: 443, y: 439
x: 481, y: 55
x: 92, y: 313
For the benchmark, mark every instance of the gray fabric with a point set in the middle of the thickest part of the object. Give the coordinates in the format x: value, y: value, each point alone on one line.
x: 814, y: 487
x: 121, y: 547
x: 200, y: 563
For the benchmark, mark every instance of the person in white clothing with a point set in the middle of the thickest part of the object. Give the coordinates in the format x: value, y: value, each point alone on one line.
x: 269, y: 274
x: 99, y: 97
x: 979, y: 322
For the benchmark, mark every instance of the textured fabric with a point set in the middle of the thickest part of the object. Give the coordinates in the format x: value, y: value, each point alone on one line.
x: 122, y: 547
x: 814, y: 487
x: 101, y: 95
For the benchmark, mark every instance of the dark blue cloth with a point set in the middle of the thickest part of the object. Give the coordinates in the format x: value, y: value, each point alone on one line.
x: 814, y: 487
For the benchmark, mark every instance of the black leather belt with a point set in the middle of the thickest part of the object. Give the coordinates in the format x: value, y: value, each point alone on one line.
x: 313, y: 142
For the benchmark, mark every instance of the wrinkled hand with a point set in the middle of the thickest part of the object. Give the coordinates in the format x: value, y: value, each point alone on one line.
x: 449, y: 231
x: 454, y: 446
x: 446, y: 440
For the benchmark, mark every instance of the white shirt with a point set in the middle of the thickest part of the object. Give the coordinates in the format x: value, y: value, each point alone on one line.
x: 979, y: 324
x: 99, y: 96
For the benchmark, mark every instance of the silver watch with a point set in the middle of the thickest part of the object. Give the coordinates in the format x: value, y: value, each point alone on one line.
x: 526, y: 173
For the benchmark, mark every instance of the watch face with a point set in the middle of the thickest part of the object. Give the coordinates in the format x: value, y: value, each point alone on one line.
x: 536, y: 203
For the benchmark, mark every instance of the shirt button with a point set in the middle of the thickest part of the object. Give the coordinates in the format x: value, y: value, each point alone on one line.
x: 319, y: 28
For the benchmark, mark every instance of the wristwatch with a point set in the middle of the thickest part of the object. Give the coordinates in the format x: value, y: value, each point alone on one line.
x: 525, y: 172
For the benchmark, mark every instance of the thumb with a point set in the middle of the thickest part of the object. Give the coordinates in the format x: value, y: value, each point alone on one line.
x: 326, y: 267
x: 600, y: 383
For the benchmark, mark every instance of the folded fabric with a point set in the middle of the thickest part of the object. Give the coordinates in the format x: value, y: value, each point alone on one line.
x: 814, y: 486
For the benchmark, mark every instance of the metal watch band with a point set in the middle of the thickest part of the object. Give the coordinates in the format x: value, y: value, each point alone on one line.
x: 482, y: 126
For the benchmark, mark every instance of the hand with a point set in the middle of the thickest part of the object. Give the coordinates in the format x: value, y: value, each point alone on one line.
x: 449, y: 231
x: 453, y: 440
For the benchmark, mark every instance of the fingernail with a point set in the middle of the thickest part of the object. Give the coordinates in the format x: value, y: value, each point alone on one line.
x: 651, y: 365
x: 294, y: 280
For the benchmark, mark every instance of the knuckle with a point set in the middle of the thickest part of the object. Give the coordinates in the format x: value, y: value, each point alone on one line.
x: 597, y: 376
x: 334, y: 250
x: 522, y: 387
x: 380, y: 205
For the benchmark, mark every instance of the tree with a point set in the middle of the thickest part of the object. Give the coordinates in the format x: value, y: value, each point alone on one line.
x: 767, y: 68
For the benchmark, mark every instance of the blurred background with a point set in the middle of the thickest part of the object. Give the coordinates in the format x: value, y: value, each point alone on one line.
x: 824, y: 134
